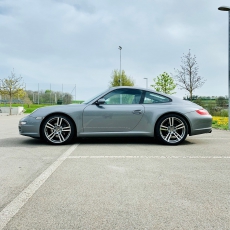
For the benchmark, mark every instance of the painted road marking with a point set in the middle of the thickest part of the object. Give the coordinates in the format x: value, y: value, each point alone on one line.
x: 207, y: 138
x: 152, y: 157
x: 14, y: 206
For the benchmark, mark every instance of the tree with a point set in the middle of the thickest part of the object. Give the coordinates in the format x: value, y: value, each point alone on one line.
x: 187, y: 77
x: 12, y: 87
x: 125, y: 80
x: 27, y: 100
x: 67, y: 99
x: 164, y: 83
x: 221, y: 101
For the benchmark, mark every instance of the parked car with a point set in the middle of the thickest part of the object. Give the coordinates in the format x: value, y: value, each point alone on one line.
x: 119, y: 111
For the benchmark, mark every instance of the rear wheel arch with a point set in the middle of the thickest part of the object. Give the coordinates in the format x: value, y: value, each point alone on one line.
x: 171, y: 129
x: 172, y: 113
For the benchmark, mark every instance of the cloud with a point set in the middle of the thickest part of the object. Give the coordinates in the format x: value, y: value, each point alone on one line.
x: 76, y: 42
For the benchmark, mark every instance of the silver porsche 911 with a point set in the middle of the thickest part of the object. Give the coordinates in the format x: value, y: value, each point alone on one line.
x: 119, y: 111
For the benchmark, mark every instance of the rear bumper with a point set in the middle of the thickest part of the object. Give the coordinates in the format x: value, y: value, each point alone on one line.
x: 199, y: 124
x: 201, y: 131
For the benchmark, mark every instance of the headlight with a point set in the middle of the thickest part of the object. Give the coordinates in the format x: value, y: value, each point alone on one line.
x: 22, y: 122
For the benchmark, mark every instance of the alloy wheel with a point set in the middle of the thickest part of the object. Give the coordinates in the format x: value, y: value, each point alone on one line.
x: 173, y: 130
x: 57, y: 130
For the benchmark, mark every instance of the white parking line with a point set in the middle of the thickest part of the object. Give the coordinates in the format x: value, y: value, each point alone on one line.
x: 14, y: 206
x: 152, y: 157
x: 208, y: 138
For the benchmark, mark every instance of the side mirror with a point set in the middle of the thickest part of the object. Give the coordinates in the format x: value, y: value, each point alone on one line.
x: 100, y: 101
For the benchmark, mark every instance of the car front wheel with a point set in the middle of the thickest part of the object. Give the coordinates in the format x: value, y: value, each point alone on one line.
x: 58, y: 129
x: 171, y: 129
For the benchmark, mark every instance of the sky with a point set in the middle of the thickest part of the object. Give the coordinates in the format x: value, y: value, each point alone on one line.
x: 63, y: 43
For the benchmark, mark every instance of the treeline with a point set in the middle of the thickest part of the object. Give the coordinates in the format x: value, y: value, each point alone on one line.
x: 42, y: 97
x: 49, y: 97
x: 216, y: 107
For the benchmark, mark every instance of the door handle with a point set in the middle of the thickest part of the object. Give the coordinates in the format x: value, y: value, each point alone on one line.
x: 137, y: 111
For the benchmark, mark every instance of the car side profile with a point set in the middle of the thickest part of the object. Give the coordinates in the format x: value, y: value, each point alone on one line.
x: 119, y: 111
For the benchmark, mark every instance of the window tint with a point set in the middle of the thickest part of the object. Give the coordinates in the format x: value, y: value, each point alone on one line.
x: 123, y: 96
x: 151, y: 98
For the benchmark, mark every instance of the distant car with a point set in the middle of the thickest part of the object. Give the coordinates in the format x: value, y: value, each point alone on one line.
x: 119, y: 111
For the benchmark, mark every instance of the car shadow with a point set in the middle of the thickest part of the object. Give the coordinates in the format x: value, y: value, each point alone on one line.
x: 33, y: 142
x: 116, y: 140
x: 124, y: 141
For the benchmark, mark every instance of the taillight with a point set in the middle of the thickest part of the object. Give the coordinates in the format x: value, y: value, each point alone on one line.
x: 202, y: 112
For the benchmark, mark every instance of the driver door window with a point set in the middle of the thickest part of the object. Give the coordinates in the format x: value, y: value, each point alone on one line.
x: 123, y: 96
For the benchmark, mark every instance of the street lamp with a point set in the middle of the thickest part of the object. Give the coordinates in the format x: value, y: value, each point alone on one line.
x: 120, y: 48
x: 146, y: 82
x: 227, y: 8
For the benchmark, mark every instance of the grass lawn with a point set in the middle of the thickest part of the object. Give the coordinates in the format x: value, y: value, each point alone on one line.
x: 28, y: 109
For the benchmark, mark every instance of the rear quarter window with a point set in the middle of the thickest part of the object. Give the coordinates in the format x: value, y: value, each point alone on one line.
x: 152, y: 98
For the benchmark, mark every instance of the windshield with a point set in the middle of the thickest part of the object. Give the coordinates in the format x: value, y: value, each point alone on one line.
x: 92, y: 98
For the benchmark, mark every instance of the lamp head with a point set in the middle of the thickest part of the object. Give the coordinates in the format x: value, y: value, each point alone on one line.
x: 224, y: 8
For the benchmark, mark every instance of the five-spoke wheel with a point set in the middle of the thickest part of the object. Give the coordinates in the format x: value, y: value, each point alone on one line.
x: 58, y: 129
x: 171, y: 129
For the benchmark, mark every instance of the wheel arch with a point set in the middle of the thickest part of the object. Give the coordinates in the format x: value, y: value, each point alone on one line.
x: 176, y: 113
x: 57, y: 113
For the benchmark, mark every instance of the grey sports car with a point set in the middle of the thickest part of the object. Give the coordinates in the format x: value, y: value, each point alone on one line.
x: 119, y: 111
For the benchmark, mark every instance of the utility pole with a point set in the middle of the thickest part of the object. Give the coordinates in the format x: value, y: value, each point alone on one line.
x: 227, y: 8
x: 120, y: 48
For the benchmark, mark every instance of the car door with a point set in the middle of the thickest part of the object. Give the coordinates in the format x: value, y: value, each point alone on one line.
x: 121, y: 112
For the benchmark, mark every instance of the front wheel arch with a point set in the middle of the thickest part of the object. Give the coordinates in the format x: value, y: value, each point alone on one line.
x: 56, y: 114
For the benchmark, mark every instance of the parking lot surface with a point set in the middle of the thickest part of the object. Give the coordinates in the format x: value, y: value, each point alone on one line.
x: 113, y: 183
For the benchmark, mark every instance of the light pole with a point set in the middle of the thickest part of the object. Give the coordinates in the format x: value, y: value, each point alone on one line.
x: 146, y: 82
x: 120, y: 74
x: 38, y: 93
x: 227, y: 8
x: 120, y: 48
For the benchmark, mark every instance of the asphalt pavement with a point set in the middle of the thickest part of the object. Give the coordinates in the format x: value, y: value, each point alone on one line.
x: 113, y: 183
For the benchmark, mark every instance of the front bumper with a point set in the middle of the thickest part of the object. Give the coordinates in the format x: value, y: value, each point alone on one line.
x: 30, y: 126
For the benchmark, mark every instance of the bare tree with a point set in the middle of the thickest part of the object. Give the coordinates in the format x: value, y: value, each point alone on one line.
x: 12, y: 87
x: 187, y: 77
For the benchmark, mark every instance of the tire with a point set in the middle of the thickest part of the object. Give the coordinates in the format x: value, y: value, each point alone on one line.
x: 58, y: 129
x: 171, y: 129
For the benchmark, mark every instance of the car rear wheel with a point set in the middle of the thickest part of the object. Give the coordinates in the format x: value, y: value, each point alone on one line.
x: 171, y: 129
x: 58, y: 129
